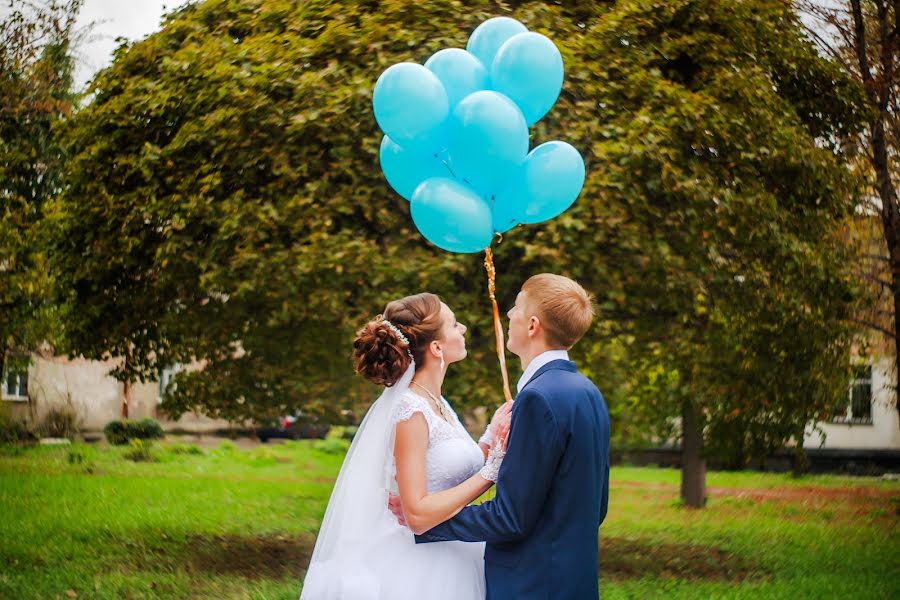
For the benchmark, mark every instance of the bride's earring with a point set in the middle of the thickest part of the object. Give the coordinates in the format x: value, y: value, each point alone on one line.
x: 442, y: 362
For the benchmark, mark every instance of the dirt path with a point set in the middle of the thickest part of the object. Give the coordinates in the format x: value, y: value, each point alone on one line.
x: 786, y: 493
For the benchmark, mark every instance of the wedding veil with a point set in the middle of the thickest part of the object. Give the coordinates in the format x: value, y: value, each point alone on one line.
x: 357, y: 520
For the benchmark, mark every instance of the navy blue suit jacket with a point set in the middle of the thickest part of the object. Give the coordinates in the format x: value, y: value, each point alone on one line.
x: 552, y: 494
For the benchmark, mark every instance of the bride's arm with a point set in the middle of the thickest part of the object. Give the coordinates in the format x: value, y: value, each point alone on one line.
x: 498, y: 429
x: 422, y: 510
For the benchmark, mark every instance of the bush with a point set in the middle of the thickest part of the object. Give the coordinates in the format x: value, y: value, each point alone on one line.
x: 332, y: 445
x: 183, y: 449
x: 140, y: 450
x: 122, y: 431
x: 13, y: 430
x: 227, y: 447
x: 60, y: 422
x: 78, y: 455
x: 342, y: 432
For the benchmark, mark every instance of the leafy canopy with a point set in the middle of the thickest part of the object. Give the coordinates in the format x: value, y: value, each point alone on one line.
x: 224, y: 203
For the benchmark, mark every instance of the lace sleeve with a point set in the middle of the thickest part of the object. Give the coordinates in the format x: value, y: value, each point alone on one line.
x: 409, y: 405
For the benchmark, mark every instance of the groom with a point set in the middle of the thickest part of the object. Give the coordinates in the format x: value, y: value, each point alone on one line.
x: 553, y: 486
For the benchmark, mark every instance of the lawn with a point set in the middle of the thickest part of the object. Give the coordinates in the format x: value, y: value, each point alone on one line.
x: 225, y: 522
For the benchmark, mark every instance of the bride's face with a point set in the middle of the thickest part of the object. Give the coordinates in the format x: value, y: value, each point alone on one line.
x: 452, y: 339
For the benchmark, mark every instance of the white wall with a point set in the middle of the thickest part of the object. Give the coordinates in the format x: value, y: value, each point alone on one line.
x: 96, y: 398
x: 883, y: 433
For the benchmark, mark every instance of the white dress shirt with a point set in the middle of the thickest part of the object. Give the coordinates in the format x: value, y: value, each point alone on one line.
x: 537, y: 362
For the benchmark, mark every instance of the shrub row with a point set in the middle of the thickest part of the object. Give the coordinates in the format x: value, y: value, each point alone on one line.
x: 122, y: 431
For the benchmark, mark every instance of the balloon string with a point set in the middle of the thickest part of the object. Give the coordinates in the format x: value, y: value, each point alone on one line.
x: 498, y: 328
x: 446, y: 164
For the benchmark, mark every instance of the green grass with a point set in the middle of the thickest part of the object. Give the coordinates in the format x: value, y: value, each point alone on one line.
x: 232, y: 523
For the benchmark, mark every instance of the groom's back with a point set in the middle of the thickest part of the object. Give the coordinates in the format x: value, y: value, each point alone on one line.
x: 557, y: 558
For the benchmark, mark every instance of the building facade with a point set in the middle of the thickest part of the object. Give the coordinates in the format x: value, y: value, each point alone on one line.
x: 86, y: 388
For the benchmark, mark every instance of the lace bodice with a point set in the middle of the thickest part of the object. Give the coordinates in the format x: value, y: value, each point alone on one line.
x: 452, y: 455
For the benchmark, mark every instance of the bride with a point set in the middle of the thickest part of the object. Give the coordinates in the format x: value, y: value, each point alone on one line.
x: 410, y: 443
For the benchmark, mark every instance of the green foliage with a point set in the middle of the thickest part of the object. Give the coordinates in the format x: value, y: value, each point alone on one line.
x: 140, y: 450
x: 13, y: 430
x: 332, y: 445
x: 226, y: 447
x: 123, y: 431
x: 342, y: 432
x: 225, y: 204
x: 80, y: 454
x: 35, y: 97
x: 183, y: 449
x: 60, y: 422
x: 720, y: 200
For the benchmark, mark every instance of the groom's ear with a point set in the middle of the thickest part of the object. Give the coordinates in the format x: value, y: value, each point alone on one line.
x: 534, y: 325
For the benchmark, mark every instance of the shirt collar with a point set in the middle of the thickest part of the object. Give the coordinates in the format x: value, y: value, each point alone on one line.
x: 537, y: 362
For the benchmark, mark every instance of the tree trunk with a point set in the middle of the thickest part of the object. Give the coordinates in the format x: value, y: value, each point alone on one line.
x: 801, y: 458
x: 878, y: 92
x: 126, y: 385
x: 126, y: 392
x: 693, y: 466
x: 890, y: 222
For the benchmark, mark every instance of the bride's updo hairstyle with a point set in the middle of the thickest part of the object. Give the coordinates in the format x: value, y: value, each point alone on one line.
x: 379, y: 353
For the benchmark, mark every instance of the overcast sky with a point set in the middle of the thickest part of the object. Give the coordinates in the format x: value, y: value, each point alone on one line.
x: 134, y: 20
x: 131, y: 19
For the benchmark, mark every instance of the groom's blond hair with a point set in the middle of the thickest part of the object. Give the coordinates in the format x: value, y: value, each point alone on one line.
x: 564, y: 307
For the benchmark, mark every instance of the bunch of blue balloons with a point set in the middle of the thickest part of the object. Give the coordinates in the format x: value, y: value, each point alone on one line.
x: 456, y: 137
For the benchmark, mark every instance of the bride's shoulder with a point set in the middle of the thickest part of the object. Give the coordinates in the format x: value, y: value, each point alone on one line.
x: 409, y: 403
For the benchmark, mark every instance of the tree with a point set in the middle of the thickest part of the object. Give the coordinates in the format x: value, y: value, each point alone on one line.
x: 35, y: 97
x: 731, y: 282
x: 224, y: 205
x: 863, y: 37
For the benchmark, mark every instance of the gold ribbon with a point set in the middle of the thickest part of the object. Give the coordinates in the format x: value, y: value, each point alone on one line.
x: 498, y: 327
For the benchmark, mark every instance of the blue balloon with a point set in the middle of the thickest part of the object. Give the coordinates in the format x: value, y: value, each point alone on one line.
x: 488, y: 140
x: 552, y: 178
x: 529, y: 69
x: 411, y: 106
x: 405, y: 169
x: 490, y: 35
x: 451, y: 216
x: 460, y: 72
x: 507, y: 205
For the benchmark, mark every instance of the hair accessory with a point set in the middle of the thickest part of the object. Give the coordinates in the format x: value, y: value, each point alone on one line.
x: 398, y: 333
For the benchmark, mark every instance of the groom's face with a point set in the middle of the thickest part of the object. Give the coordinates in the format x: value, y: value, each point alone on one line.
x: 517, y: 335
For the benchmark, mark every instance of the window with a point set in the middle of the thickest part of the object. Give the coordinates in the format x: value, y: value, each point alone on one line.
x: 165, y: 377
x: 15, y: 385
x: 859, y: 403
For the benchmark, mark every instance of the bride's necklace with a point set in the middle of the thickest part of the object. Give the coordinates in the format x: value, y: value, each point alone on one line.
x: 440, y: 405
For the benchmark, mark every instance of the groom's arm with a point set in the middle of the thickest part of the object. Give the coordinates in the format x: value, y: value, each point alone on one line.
x: 523, y: 485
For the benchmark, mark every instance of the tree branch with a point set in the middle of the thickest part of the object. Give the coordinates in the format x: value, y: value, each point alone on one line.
x: 860, y: 47
x: 887, y: 57
x: 875, y: 327
x: 873, y: 279
x: 829, y: 49
x: 875, y: 257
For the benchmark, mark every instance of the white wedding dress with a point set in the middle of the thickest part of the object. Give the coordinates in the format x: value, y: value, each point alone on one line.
x: 362, y: 553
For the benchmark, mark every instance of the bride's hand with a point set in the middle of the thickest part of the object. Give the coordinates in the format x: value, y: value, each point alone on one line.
x: 501, y: 421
